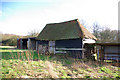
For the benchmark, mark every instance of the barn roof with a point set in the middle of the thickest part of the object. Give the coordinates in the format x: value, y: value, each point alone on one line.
x: 65, y: 30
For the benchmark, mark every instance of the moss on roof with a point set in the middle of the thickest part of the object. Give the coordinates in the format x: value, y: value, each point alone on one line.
x: 65, y: 30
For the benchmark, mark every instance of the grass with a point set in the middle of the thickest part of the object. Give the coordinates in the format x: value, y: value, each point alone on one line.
x: 29, y: 64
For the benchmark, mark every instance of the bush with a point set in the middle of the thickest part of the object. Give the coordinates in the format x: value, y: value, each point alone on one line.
x: 106, y: 70
x: 10, y: 42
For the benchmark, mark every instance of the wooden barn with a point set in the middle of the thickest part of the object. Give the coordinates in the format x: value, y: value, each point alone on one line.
x: 69, y: 36
x: 26, y: 43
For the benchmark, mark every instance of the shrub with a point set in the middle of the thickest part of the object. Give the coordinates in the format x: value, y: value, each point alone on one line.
x: 10, y: 42
x: 106, y: 70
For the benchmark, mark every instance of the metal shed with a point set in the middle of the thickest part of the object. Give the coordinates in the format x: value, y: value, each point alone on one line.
x: 108, y: 51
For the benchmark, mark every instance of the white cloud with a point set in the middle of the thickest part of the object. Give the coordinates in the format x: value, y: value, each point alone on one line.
x: 103, y: 11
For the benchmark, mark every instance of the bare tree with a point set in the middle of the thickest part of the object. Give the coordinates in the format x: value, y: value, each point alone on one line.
x: 84, y: 23
x: 33, y: 33
x: 105, y: 34
x: 96, y: 30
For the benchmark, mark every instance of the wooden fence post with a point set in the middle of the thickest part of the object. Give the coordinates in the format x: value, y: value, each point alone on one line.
x: 97, y: 54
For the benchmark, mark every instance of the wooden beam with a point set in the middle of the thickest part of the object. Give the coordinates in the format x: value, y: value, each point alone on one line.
x: 97, y: 54
x: 70, y: 49
x: 111, y: 58
x: 60, y: 52
x: 112, y: 55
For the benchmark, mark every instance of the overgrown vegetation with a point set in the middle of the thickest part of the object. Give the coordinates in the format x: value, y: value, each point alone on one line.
x: 9, y: 39
x: 30, y: 64
x: 105, y: 34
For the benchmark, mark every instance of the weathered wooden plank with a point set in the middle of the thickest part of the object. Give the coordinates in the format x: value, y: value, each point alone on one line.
x: 97, y: 54
x: 112, y: 55
x: 111, y: 58
x: 70, y: 49
x: 60, y: 52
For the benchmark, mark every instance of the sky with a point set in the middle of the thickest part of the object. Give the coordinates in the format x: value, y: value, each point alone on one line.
x: 23, y: 16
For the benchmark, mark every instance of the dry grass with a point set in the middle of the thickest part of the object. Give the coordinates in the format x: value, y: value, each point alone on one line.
x: 26, y: 65
x: 52, y: 69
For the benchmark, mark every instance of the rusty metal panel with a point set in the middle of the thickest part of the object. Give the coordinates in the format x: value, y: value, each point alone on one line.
x: 111, y: 49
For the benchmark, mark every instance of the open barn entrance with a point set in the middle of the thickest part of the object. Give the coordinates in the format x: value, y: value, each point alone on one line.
x: 24, y: 43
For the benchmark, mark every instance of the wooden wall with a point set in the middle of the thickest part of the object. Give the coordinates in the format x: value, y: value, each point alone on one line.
x: 42, y: 47
x: 69, y: 43
x: 71, y: 46
x: 32, y: 44
x: 110, y: 52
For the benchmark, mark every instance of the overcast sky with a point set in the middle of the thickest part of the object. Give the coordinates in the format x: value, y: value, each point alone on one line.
x: 22, y: 16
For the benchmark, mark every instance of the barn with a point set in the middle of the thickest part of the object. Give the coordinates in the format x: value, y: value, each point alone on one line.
x: 26, y: 43
x: 68, y: 36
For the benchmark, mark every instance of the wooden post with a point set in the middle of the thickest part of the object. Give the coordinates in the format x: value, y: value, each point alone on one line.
x: 54, y: 50
x: 98, y: 54
x: 103, y: 52
x: 36, y: 45
x: 83, y: 54
x: 17, y: 43
x: 21, y: 44
x: 52, y: 47
x: 29, y: 43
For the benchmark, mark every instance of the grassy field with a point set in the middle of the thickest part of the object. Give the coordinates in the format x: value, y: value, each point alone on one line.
x: 29, y: 64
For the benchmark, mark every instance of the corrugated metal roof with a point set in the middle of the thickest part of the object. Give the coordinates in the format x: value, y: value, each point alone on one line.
x: 65, y: 30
